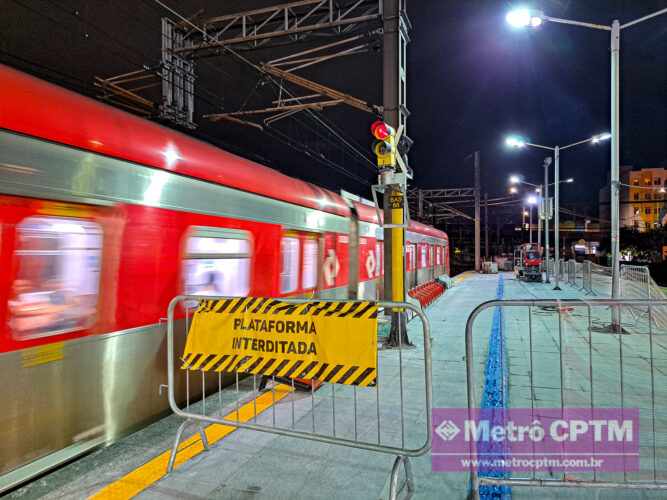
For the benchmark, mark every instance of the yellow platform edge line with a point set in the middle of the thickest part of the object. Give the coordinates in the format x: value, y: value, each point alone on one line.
x: 155, y: 469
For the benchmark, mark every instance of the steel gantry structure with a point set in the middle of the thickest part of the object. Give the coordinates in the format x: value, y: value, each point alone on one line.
x: 344, y: 28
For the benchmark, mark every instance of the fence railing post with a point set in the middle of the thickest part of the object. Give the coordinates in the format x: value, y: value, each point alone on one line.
x: 643, y: 393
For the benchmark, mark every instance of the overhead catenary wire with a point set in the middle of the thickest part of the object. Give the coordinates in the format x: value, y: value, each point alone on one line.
x: 315, y: 115
x: 127, y: 56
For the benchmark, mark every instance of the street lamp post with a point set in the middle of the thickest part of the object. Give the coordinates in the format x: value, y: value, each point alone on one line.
x: 539, y: 220
x: 532, y: 201
x: 516, y: 142
x: 547, y: 209
x: 524, y: 18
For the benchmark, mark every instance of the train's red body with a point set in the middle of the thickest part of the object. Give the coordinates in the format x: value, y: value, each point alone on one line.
x: 106, y: 217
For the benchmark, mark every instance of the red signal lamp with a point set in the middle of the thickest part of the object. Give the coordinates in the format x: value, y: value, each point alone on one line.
x: 382, y: 131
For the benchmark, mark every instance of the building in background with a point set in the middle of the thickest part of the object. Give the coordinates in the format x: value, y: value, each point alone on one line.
x: 643, y: 198
x: 647, y: 195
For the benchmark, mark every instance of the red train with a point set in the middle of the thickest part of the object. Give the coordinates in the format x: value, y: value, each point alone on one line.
x: 106, y: 217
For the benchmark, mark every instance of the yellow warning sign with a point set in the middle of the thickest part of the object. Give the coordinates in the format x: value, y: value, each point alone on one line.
x: 42, y: 354
x: 334, y: 342
x: 396, y: 201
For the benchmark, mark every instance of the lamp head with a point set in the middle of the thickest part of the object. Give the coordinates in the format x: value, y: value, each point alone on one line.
x: 600, y: 137
x: 515, y: 179
x: 515, y: 142
x: 524, y: 18
x: 513, y: 190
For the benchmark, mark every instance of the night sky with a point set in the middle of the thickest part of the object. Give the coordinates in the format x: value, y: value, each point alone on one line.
x: 475, y: 79
x: 472, y: 79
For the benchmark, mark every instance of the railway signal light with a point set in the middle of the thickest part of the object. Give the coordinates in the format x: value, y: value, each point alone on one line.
x: 384, y: 146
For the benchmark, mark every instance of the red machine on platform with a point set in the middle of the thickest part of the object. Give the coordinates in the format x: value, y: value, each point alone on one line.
x: 528, y: 262
x: 106, y: 217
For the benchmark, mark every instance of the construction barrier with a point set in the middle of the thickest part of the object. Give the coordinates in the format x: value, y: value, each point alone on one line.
x: 594, y: 369
x: 277, y: 343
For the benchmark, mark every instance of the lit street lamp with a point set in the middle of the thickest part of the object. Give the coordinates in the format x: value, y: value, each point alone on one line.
x: 522, y: 18
x: 518, y: 143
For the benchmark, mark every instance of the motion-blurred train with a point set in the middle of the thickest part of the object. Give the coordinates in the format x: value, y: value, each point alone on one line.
x: 106, y: 217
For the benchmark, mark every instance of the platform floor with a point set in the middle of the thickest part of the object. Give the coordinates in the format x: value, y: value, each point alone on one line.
x: 243, y: 464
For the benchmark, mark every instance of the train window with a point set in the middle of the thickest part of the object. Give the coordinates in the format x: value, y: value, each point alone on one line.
x: 311, y: 252
x: 289, y: 272
x: 56, y: 286
x: 438, y: 256
x: 424, y: 255
x: 217, y: 262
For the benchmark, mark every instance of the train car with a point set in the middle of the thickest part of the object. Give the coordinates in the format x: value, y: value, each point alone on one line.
x: 106, y: 217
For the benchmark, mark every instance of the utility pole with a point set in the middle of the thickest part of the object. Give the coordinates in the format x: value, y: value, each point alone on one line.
x: 478, y: 266
x: 530, y: 224
x: 486, y: 227
x: 547, y: 214
x: 615, y: 172
x: 557, y: 217
x: 395, y: 39
x: 523, y: 223
x: 539, y: 221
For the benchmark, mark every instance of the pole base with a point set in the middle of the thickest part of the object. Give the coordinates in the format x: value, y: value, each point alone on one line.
x: 557, y: 288
x: 611, y: 328
x: 398, y: 335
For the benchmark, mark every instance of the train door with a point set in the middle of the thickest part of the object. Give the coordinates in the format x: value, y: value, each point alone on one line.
x: 368, y: 268
x: 335, y: 265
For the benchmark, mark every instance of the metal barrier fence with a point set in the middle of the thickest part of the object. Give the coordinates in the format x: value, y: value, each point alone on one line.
x: 590, y: 367
x: 571, y: 267
x: 635, y: 282
x: 309, y: 417
x: 587, y: 278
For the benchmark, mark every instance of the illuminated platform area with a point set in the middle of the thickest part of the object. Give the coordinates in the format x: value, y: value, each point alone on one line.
x: 244, y: 464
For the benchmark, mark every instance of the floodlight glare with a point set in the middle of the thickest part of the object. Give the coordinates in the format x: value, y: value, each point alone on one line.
x: 662, y: 190
x: 532, y: 200
x: 570, y: 180
x: 601, y: 137
x: 513, y: 190
x: 538, y: 190
x: 515, y: 179
x: 515, y: 142
x: 525, y: 213
x: 522, y: 18
x: 519, y: 18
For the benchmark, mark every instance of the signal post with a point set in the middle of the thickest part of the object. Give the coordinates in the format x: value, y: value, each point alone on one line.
x: 394, y: 173
x: 392, y: 183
